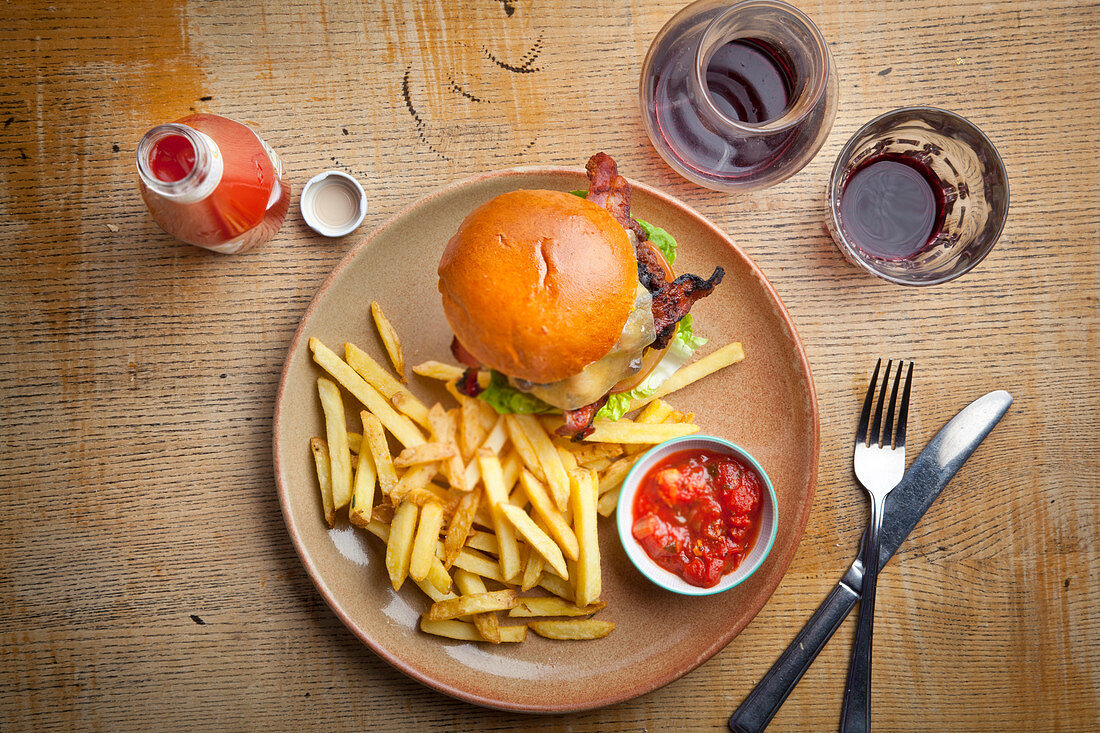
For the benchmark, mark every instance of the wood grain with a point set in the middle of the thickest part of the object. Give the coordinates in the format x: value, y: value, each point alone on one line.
x: 145, y: 571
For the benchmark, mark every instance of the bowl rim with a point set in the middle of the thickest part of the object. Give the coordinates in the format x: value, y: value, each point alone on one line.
x: 640, y: 559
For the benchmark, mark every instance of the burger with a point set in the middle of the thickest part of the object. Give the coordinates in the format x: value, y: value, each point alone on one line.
x: 565, y: 299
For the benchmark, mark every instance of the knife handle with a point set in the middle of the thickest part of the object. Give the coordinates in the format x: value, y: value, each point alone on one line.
x: 768, y: 695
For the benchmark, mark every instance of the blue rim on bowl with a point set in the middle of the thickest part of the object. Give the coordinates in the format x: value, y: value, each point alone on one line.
x: 624, y: 519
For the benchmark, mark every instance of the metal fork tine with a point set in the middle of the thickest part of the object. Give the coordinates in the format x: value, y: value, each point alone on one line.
x: 903, y: 413
x: 865, y: 415
x: 876, y: 428
x: 888, y: 433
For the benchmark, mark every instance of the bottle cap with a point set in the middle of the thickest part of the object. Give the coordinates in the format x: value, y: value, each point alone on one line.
x: 333, y: 203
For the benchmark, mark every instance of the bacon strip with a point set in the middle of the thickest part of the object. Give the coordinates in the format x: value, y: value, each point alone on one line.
x: 611, y: 191
x: 468, y: 384
x: 578, y: 422
x: 462, y: 355
x: 673, y: 301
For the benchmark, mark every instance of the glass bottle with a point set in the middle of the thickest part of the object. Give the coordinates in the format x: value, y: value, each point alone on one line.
x: 740, y: 96
x: 212, y: 182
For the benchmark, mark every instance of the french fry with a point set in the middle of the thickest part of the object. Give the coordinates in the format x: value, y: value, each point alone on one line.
x: 625, y: 431
x: 510, y: 467
x: 536, y: 538
x: 336, y: 432
x: 375, y: 439
x: 607, y: 503
x: 677, y: 416
x: 324, y: 478
x: 427, y: 535
x: 438, y: 578
x: 432, y: 592
x: 615, y: 473
x: 417, y: 477
x: 556, y: 477
x: 543, y: 606
x: 587, y: 580
x: 523, y: 447
x: 443, y: 431
x: 390, y: 339
x: 500, y: 600
x: 497, y: 495
x: 480, y: 564
x: 377, y: 376
x: 425, y: 453
x: 355, y: 442
x: 654, y: 412
x: 568, y: 461
x: 600, y: 464
x: 493, y: 443
x: 557, y: 586
x: 459, y: 527
x: 404, y: 429
x: 488, y: 625
x: 685, y: 375
x: 399, y: 545
x: 362, y: 493
x: 586, y: 453
x: 553, y: 519
x: 463, y: 631
x: 438, y: 370
x: 473, y: 432
x: 532, y: 570
x: 572, y: 629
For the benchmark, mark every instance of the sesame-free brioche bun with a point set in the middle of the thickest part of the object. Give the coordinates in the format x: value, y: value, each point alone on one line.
x: 538, y: 284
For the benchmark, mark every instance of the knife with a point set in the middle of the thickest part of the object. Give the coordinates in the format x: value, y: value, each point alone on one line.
x: 933, y: 468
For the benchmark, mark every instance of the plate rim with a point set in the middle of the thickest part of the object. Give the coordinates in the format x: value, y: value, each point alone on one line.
x: 721, y: 640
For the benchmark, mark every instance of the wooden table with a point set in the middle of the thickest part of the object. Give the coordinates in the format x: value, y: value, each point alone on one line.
x: 146, y: 577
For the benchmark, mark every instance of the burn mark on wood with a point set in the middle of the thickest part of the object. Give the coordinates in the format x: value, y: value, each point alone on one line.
x: 407, y: 96
x: 526, y: 60
x: 886, y: 71
x: 509, y: 6
x: 197, y: 620
x: 9, y: 121
x: 115, y: 147
x: 207, y: 98
x: 345, y: 130
x: 458, y: 89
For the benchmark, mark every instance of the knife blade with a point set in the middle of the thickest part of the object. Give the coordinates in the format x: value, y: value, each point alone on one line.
x: 927, y: 476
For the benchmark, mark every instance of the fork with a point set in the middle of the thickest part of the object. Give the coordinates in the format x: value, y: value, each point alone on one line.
x: 879, y: 464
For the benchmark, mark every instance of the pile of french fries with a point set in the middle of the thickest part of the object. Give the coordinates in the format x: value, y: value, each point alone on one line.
x: 477, y: 508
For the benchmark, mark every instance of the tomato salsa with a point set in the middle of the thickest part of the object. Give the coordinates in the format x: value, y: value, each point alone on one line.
x: 697, y: 514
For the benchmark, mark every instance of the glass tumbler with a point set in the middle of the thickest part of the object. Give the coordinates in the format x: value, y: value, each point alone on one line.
x: 738, y: 96
x: 968, y: 195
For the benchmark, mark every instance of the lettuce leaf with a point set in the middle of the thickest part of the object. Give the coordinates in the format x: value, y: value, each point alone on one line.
x: 507, y: 400
x: 660, y: 239
x: 682, y: 347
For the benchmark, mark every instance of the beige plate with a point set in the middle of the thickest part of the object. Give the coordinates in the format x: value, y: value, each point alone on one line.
x: 765, y: 404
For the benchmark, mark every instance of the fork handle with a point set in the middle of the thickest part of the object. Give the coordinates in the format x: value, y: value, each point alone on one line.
x: 856, y: 715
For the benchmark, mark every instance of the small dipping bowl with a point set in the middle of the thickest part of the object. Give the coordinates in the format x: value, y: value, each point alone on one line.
x: 624, y: 517
x: 333, y: 203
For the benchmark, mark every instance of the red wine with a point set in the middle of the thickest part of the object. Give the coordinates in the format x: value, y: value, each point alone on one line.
x: 748, y: 81
x: 891, y: 207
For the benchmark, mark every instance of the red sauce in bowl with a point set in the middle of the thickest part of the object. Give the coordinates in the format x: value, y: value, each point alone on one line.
x: 697, y: 514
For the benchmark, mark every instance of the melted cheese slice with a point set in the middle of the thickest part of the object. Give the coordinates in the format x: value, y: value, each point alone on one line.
x: 597, y: 379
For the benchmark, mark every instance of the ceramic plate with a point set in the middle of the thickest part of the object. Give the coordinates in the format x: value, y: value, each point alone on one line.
x: 765, y: 404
